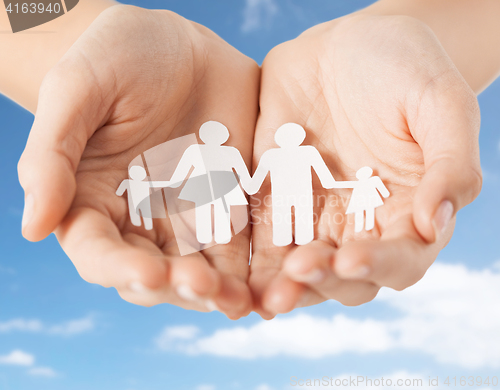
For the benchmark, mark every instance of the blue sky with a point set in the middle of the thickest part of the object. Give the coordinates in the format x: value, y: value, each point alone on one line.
x: 58, y: 332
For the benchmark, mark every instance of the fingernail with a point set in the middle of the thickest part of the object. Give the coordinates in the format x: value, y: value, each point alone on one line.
x: 443, y: 216
x: 211, y: 305
x: 29, y: 210
x: 138, y: 287
x: 358, y: 271
x: 186, y: 292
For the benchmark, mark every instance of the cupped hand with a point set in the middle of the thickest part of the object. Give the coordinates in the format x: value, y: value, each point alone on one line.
x: 136, y: 78
x: 370, y: 91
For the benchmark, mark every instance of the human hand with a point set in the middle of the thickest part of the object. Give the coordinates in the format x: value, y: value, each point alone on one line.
x: 375, y: 91
x: 136, y: 78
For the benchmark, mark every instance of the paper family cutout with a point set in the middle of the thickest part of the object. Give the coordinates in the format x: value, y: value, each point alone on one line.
x: 210, y: 182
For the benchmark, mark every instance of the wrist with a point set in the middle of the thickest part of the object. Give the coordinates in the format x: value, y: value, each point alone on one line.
x: 30, y: 56
x: 468, y: 30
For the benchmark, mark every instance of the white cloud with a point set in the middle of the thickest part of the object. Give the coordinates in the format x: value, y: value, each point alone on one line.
x: 205, y: 387
x: 73, y: 327
x: 257, y: 13
x: 453, y: 315
x: 15, y: 211
x: 7, y: 270
x: 489, y: 176
x: 22, y: 325
x: 496, y: 265
x: 46, y: 372
x: 21, y: 358
x: 272, y: 338
x: 68, y: 328
x: 264, y: 386
x: 17, y: 358
x: 171, y: 335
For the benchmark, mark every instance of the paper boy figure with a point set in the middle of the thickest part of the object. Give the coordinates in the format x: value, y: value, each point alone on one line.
x: 138, y: 195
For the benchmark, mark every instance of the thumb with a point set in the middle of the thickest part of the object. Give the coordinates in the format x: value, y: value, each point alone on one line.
x: 447, y: 129
x: 70, y: 109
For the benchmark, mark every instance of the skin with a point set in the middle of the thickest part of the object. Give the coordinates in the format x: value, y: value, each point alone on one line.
x: 370, y: 91
x: 32, y: 53
x: 104, y: 103
x: 468, y: 30
x: 416, y: 125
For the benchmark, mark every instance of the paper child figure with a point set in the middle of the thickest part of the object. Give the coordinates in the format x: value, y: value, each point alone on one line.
x: 365, y: 197
x: 138, y: 195
x: 291, y: 183
x: 212, y: 182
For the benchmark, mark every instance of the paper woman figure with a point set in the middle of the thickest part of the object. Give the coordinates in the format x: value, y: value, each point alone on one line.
x: 365, y: 197
x: 212, y: 182
x: 138, y: 195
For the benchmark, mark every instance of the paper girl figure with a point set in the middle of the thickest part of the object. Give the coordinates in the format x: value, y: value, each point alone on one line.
x: 290, y: 168
x: 138, y: 195
x: 365, y: 197
x: 212, y: 182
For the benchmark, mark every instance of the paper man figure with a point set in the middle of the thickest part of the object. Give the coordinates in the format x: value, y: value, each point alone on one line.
x: 291, y: 183
x: 365, y: 197
x: 212, y: 182
x: 138, y: 195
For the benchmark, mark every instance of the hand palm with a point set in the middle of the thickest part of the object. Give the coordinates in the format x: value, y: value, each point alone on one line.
x: 149, y: 85
x: 358, y: 88
x: 369, y: 91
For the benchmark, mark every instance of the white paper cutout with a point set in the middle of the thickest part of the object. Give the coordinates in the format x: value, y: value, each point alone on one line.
x: 291, y: 186
x: 365, y: 198
x: 212, y: 182
x: 161, y: 162
x: 206, y: 171
x: 291, y: 183
x: 138, y: 192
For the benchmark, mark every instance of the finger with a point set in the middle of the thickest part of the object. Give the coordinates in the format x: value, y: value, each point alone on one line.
x: 187, y: 287
x: 100, y: 254
x: 138, y: 294
x: 398, y: 260
x: 96, y: 248
x: 71, y: 107
x: 232, y: 259
x: 312, y: 265
x: 282, y: 294
x: 233, y: 298
x: 445, y: 123
x: 194, y: 279
x: 202, y: 286
x: 259, y: 280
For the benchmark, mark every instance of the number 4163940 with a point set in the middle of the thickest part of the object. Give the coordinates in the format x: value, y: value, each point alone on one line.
x: 33, y: 8
x: 471, y: 381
